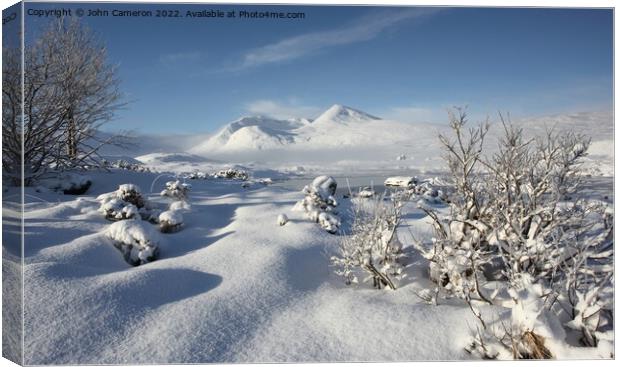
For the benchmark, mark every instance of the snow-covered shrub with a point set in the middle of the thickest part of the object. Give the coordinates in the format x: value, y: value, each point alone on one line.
x: 74, y: 184
x: 521, y: 206
x: 586, y: 291
x: 125, y: 203
x: 429, y: 191
x: 232, y: 174
x: 197, y: 175
x: 137, y: 240
x: 460, y: 249
x: 170, y: 221
x: 123, y: 164
x: 319, y: 204
x: 373, y: 250
x: 589, y: 315
x: 282, y: 219
x: 69, y: 183
x: 530, y: 321
x: 132, y: 194
x: 116, y: 209
x: 530, y: 331
x: 329, y: 222
x: 176, y: 190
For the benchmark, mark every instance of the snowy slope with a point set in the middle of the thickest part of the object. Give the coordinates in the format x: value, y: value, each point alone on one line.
x: 347, y: 134
x: 257, y: 132
x: 339, y: 136
x: 232, y: 286
x: 343, y: 114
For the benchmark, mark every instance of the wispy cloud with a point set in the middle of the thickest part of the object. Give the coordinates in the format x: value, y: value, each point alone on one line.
x: 363, y: 29
x: 290, y: 109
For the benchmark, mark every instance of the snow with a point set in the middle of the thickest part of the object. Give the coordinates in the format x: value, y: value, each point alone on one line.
x: 136, y: 239
x: 343, y: 114
x: 236, y: 285
x: 399, y: 181
x: 336, y: 128
x: 68, y: 182
x: 282, y: 219
x: 172, y: 217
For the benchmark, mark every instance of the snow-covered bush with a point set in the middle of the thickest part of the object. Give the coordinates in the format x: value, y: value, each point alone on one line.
x: 232, y: 174
x: 170, y: 221
x: 460, y: 247
x: 430, y: 191
x: 329, y: 222
x: 521, y: 206
x: 131, y: 193
x: 69, y: 183
x: 197, y: 175
x: 282, y: 219
x: 319, y: 204
x: 176, y: 190
x: 372, y: 250
x: 137, y: 240
x: 125, y: 203
x: 530, y: 331
x: 123, y: 164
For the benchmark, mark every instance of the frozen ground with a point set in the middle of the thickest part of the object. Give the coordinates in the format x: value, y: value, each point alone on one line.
x: 233, y: 285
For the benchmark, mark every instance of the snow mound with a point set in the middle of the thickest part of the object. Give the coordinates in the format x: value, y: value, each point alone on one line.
x: 180, y: 205
x: 137, y: 240
x: 170, y: 221
x: 282, y: 219
x: 343, y: 114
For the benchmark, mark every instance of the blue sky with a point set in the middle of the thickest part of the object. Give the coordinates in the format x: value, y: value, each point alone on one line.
x: 193, y: 75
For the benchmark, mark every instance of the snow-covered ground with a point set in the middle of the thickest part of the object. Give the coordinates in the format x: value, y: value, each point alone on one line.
x: 234, y: 285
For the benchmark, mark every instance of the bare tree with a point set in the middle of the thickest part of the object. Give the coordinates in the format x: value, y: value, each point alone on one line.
x: 70, y: 90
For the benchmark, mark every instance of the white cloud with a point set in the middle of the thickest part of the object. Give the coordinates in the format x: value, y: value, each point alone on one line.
x: 290, y: 109
x: 364, y: 29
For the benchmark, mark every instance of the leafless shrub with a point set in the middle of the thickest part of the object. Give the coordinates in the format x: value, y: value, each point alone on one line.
x: 373, y: 249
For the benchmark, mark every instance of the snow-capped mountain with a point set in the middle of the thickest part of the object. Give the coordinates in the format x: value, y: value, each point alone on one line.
x: 343, y: 114
x: 350, y: 135
x: 253, y: 133
x: 337, y: 127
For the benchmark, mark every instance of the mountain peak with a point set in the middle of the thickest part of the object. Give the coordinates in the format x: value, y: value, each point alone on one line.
x: 341, y: 113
